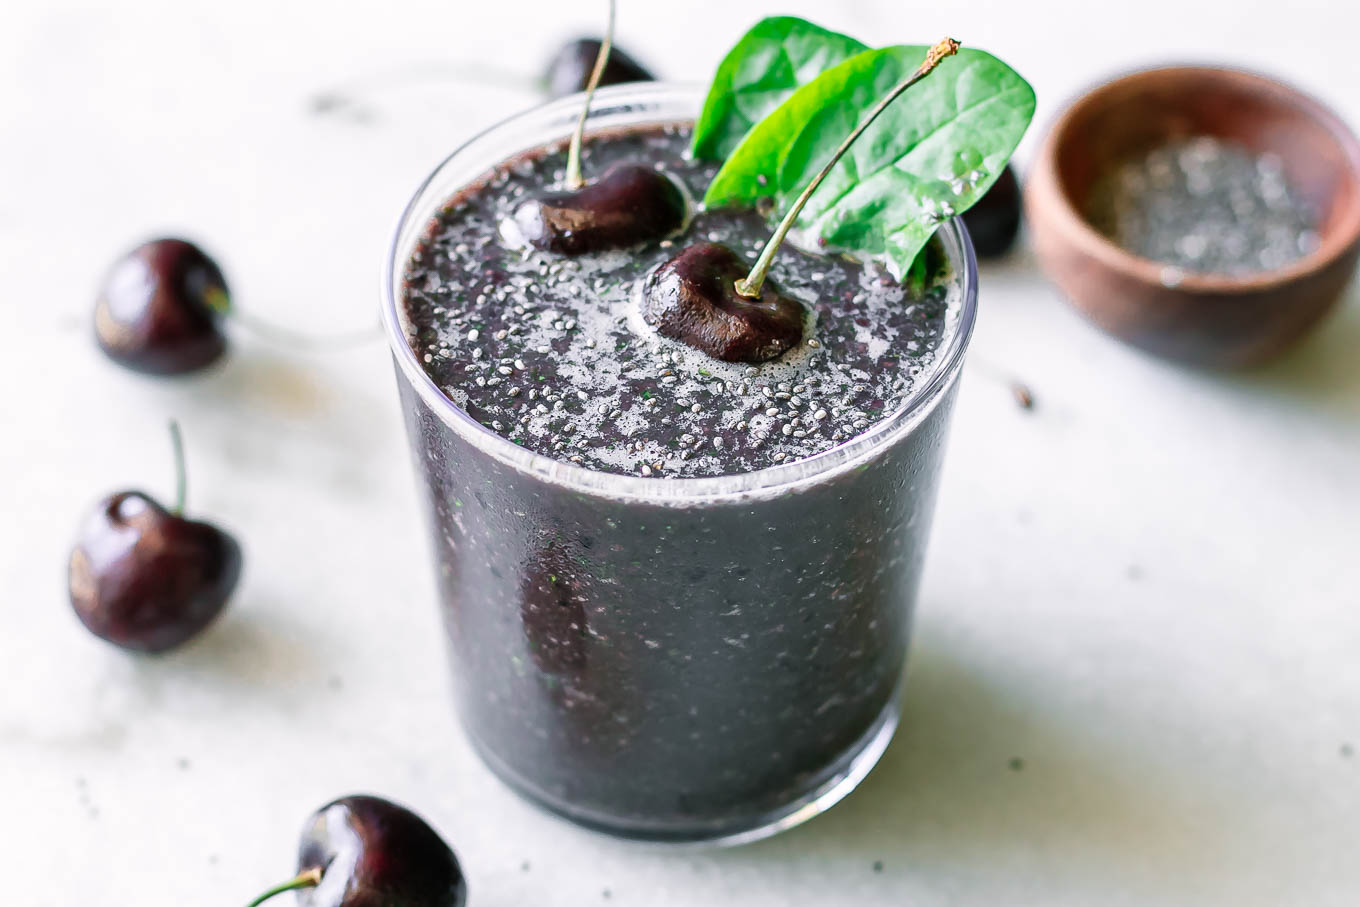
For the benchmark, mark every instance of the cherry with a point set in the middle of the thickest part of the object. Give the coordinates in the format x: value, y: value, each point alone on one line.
x: 569, y: 71
x: 147, y: 579
x: 553, y: 613
x: 161, y: 308
x: 630, y: 204
x: 994, y: 220
x: 364, y: 851
x: 706, y: 298
x: 693, y: 298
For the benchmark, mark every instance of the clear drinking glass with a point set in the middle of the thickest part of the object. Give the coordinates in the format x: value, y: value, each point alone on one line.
x: 691, y: 659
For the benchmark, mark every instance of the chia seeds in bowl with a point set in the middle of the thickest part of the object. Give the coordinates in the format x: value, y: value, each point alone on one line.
x: 1205, y: 205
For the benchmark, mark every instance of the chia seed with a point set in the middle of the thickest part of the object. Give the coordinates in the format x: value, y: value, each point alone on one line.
x: 568, y: 327
x: 1204, y: 205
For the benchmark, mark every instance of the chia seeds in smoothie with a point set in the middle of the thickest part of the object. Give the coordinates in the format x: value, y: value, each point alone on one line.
x: 669, y: 665
x: 549, y: 351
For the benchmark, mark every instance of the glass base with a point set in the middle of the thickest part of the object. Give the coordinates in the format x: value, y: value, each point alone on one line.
x: 826, y: 790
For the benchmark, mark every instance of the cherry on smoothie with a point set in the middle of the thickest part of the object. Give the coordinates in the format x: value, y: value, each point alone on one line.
x: 693, y: 298
x: 364, y: 851
x: 629, y: 205
x: 569, y: 71
x: 994, y: 220
x: 706, y: 298
x: 161, y: 308
x: 146, y: 578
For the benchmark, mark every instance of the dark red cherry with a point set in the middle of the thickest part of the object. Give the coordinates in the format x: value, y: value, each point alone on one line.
x: 570, y: 68
x: 629, y: 205
x: 161, y: 307
x: 553, y: 612
x: 693, y: 298
x: 363, y: 851
x: 994, y: 220
x: 147, y: 579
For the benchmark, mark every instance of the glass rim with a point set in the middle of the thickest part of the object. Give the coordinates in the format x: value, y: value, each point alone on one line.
x: 621, y: 100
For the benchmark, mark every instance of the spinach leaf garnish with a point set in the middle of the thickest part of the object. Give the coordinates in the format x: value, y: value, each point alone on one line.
x: 760, y: 72
x: 920, y: 163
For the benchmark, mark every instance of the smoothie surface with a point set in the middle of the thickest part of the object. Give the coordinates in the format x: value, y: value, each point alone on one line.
x: 551, y: 351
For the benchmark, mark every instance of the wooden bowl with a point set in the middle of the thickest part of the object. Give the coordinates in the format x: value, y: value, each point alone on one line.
x: 1203, y: 319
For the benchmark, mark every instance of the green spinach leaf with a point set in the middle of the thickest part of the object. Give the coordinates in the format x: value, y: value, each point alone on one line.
x: 930, y: 155
x: 759, y: 73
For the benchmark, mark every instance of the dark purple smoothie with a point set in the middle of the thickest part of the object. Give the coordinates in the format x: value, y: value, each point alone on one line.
x: 669, y: 655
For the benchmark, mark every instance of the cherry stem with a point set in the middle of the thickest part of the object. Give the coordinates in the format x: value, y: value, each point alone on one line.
x: 1024, y: 396
x: 181, y: 473
x: 287, y: 337
x: 220, y: 303
x: 749, y: 286
x: 308, y: 878
x: 574, y: 179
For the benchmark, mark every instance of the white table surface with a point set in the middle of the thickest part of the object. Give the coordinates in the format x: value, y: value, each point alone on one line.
x: 1147, y: 589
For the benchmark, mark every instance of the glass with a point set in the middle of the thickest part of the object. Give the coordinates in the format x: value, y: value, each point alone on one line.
x: 697, y: 659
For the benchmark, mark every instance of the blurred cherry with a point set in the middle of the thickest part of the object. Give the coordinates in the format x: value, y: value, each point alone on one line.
x: 994, y: 220
x: 569, y: 70
x: 161, y: 309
